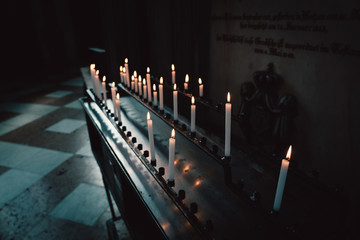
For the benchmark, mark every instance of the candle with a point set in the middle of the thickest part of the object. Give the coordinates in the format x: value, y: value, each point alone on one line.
x: 117, y: 107
x: 151, y: 136
x: 127, y: 72
x: 121, y: 74
x: 201, y: 88
x: 124, y: 77
x: 135, y: 81
x: 173, y: 73
x: 144, y: 89
x: 175, y: 101
x: 186, y: 83
x: 148, y: 84
x: 97, y: 87
x: 103, y: 83
x: 193, y: 110
x: 171, y: 155
x: 282, y: 179
x: 132, y: 82
x: 161, y: 94
x: 92, y: 74
x: 227, y: 126
x: 113, y: 94
x: 155, y: 96
x: 139, y: 86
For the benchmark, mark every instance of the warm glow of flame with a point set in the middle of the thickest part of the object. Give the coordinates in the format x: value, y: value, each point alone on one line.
x: 154, y: 87
x: 148, y: 116
x: 187, y: 78
x: 192, y: 100
x: 148, y: 70
x: 124, y: 70
x: 197, y: 183
x: 144, y: 82
x: 187, y: 169
x: 92, y: 66
x: 173, y: 67
x: 200, y: 81
x: 175, y: 161
x: 126, y: 60
x: 161, y: 80
x: 173, y: 133
x: 288, y: 155
x: 174, y: 86
x: 104, y: 78
x: 132, y: 78
x: 97, y: 72
x: 117, y: 95
x: 113, y: 84
x: 120, y: 68
x: 228, y: 97
x: 139, y: 78
x: 135, y: 73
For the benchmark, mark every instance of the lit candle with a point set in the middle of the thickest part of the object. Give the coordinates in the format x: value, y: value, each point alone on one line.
x: 97, y: 84
x: 124, y: 77
x: 103, y: 83
x: 92, y: 74
x: 151, y: 137
x: 121, y: 74
x: 127, y: 72
x: 161, y: 94
x: 201, y: 88
x: 186, y: 83
x: 155, y: 96
x: 117, y: 107
x: 171, y: 155
x: 175, y: 101
x: 173, y: 73
x: 139, y: 86
x: 282, y: 179
x: 132, y: 82
x: 135, y: 81
x: 113, y: 94
x: 148, y: 84
x: 227, y: 126
x: 144, y: 89
x: 193, y: 110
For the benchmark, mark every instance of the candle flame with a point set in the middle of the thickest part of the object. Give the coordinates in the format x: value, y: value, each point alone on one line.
x: 124, y: 70
x: 135, y: 73
x: 161, y: 80
x: 132, y: 78
x: 197, y: 182
x: 172, y: 67
x: 126, y: 60
x: 187, y: 169
x: 192, y: 100
x: 117, y: 95
x: 120, y: 68
x: 228, y: 97
x: 173, y: 133
x: 154, y: 87
x: 92, y: 66
x: 187, y: 78
x: 97, y: 72
x: 104, y: 78
x: 144, y: 82
x: 148, y: 70
x: 113, y: 84
x: 148, y: 116
x: 174, y: 86
x: 139, y: 78
x: 200, y: 81
x: 288, y: 154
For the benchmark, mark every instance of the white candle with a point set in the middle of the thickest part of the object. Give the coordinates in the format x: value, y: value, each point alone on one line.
x: 117, y: 107
x: 186, y: 83
x: 193, y: 110
x: 151, y: 136
x: 127, y: 72
x: 161, y: 94
x: 139, y: 86
x: 124, y: 77
x: 121, y: 74
x: 227, y: 126
x: 155, y: 96
x: 148, y: 83
x: 132, y: 82
x: 173, y: 73
x: 282, y: 179
x: 113, y: 94
x: 171, y: 155
x: 144, y: 89
x: 175, y: 101
x: 103, y: 83
x: 201, y: 88
x: 92, y: 74
x: 135, y: 81
x: 97, y: 84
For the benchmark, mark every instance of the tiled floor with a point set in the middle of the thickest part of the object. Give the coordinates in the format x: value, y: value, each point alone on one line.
x: 50, y: 184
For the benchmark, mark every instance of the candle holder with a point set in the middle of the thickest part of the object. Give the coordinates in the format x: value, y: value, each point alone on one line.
x: 155, y: 108
x: 171, y: 183
x: 161, y: 171
x: 161, y: 112
x: 193, y: 134
x: 226, y: 159
x: 175, y: 122
x: 119, y: 123
x: 153, y: 162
